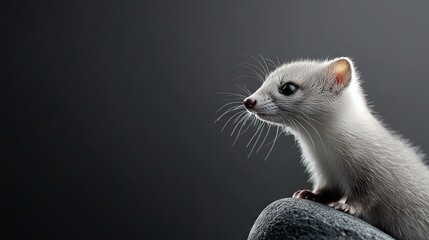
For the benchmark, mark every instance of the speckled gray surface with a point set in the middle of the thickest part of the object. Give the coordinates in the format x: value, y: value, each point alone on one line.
x: 303, y: 219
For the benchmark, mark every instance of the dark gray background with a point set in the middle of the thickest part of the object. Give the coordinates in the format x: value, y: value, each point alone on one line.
x: 108, y: 108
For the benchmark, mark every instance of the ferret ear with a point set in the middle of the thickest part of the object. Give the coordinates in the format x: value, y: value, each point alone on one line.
x: 340, y: 74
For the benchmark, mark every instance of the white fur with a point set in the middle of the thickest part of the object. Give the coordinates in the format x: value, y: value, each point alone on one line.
x: 345, y: 147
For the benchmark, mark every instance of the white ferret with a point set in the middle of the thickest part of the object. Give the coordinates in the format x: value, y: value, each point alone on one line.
x: 349, y: 153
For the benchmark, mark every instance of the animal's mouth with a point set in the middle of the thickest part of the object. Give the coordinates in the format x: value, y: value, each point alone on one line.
x: 263, y: 114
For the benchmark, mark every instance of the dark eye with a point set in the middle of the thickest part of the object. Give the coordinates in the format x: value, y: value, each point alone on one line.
x: 288, y: 89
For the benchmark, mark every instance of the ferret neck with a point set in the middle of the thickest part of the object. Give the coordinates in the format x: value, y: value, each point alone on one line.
x: 349, y: 123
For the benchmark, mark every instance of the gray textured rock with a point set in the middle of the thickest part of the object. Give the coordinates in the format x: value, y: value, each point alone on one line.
x: 303, y: 219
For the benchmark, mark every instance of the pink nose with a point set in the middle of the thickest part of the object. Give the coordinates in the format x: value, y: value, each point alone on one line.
x: 249, y: 103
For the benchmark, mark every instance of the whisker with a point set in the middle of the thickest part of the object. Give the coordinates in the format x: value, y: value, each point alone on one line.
x: 257, y: 62
x: 265, y: 138
x: 251, y: 123
x: 235, y: 114
x: 271, y: 63
x: 274, y: 142
x: 228, y: 111
x: 260, y: 124
x: 290, y: 120
x: 254, y: 71
x: 241, y: 117
x: 315, y: 130
x: 232, y: 98
x: 237, y: 119
x: 247, y: 76
x: 309, y: 135
x: 260, y: 70
x: 257, y: 139
x: 232, y: 94
x: 241, y: 127
x: 259, y: 128
x: 266, y: 67
x: 309, y: 117
x: 244, y: 89
x: 278, y: 61
x: 227, y: 104
x: 244, y: 86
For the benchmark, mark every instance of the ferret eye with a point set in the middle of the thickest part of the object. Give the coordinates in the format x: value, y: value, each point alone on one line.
x: 288, y: 89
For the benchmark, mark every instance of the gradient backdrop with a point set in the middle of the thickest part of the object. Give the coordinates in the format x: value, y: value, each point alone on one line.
x: 108, y: 108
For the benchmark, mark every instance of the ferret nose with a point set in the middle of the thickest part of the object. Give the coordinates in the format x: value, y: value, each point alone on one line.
x: 249, y: 103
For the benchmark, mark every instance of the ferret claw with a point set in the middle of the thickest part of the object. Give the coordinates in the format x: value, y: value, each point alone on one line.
x: 344, y: 207
x: 305, y: 194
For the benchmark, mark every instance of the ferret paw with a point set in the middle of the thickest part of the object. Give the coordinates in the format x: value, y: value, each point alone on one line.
x: 344, y: 207
x: 305, y: 194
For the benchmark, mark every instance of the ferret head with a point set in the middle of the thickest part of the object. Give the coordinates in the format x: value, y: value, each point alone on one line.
x: 301, y: 89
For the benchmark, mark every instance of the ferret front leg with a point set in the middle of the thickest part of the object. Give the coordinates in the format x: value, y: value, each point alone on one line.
x: 324, y: 195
